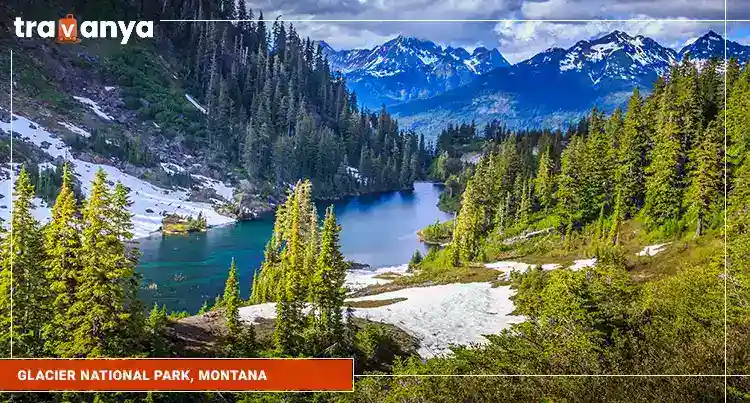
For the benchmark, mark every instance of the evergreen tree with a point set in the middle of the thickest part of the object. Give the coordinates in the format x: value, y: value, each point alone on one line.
x: 466, y: 236
x: 231, y: 301
x: 687, y: 104
x: 156, y: 324
x: 544, y: 185
x: 617, y: 217
x: 706, y: 177
x: 126, y: 259
x: 416, y: 258
x: 597, y: 163
x: 569, y: 190
x: 738, y: 119
x: 631, y: 158
x: 663, y: 182
x: 524, y: 207
x: 327, y: 286
x: 22, y: 283
x: 63, y: 265
x: 101, y: 319
x: 289, y: 318
x: 312, y: 247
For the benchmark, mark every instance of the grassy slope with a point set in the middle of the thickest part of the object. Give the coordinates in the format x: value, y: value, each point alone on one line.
x: 684, y: 250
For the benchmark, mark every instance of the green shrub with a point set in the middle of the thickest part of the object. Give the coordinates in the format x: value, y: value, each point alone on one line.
x: 416, y: 259
x: 437, y: 232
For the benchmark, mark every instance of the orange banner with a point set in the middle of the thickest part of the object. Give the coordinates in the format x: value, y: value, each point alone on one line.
x: 177, y: 374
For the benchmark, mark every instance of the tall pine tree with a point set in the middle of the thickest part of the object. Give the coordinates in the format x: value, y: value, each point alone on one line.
x: 62, y: 242
x: 22, y: 283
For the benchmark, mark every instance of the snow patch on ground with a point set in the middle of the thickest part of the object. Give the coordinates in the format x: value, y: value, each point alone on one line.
x: 439, y: 316
x: 171, y: 168
x: 148, y: 200
x: 40, y: 209
x: 580, y: 264
x: 47, y: 165
x: 31, y: 132
x: 353, y: 172
x: 443, y: 315
x: 196, y: 104
x: 361, y: 278
x: 75, y: 129
x: 253, y: 312
x: 221, y: 189
x: 146, y: 196
x: 95, y: 107
x: 652, y: 250
x: 508, y: 267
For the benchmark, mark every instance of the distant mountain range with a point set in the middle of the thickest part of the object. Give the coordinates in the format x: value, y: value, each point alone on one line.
x: 407, y: 68
x: 428, y: 86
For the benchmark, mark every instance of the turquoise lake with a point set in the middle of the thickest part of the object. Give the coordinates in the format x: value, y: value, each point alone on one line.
x: 183, y: 271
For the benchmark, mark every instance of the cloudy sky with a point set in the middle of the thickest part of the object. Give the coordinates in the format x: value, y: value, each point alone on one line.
x: 687, y: 19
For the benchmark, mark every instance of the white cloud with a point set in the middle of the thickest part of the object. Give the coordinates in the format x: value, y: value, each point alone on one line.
x: 341, y: 38
x: 515, y: 41
x: 521, y: 40
x: 622, y: 9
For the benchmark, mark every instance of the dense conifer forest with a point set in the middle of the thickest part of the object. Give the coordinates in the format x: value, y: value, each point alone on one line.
x: 655, y: 170
x: 270, y: 106
x: 275, y: 109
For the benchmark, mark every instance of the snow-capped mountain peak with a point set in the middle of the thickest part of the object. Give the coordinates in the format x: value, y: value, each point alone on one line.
x: 615, y: 56
x: 407, y: 69
x: 413, y: 67
x: 405, y: 52
x: 711, y: 46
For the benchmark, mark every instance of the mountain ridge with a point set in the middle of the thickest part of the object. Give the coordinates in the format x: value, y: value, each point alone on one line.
x: 531, y: 93
x: 406, y: 68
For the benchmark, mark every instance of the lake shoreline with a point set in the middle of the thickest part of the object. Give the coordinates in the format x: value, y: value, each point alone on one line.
x: 378, y: 230
x: 271, y: 211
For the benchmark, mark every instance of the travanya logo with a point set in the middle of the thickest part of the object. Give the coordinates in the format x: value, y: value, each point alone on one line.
x: 68, y: 29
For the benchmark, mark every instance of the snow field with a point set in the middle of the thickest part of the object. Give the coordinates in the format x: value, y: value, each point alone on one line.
x: 171, y: 168
x: 506, y: 267
x: 438, y: 316
x: 195, y: 104
x: 652, y: 250
x: 94, y: 106
x: 75, y: 129
x: 221, y: 189
x: 361, y: 278
x: 41, y: 211
x: 580, y: 264
x: 444, y: 315
x: 148, y: 200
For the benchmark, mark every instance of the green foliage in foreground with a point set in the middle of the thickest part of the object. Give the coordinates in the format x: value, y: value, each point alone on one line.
x: 437, y: 232
x: 74, y: 283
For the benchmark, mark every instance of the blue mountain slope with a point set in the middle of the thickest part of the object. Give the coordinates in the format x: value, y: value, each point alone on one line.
x: 407, y: 68
x: 559, y: 86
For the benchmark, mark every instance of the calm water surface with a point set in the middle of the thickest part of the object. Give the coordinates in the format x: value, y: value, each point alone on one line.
x: 182, y: 271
